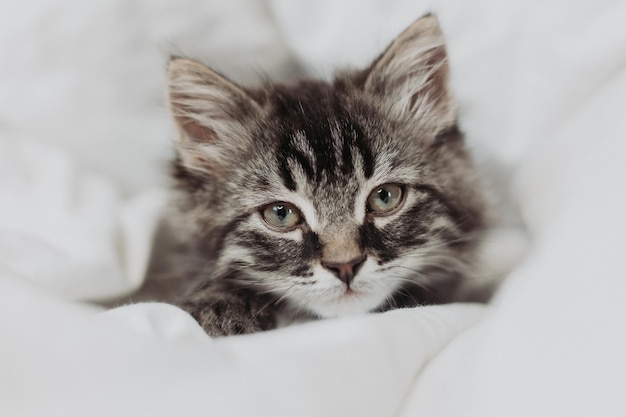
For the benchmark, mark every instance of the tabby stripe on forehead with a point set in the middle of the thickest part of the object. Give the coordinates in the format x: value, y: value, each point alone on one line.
x: 358, y: 139
x: 320, y: 138
x: 285, y: 173
x: 326, y: 161
x: 353, y: 136
x: 346, y: 158
x: 289, y: 152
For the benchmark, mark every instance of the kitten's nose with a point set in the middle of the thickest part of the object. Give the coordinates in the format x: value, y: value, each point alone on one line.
x: 345, y: 271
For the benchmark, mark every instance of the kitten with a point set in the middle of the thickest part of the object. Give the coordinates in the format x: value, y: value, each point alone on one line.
x: 323, y: 198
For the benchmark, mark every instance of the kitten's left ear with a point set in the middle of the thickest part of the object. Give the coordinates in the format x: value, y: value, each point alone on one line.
x: 412, y: 74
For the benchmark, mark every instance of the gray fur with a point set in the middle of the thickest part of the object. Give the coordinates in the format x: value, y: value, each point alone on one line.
x: 322, y: 147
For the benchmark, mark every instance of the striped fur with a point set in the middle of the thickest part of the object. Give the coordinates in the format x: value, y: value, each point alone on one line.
x: 323, y: 148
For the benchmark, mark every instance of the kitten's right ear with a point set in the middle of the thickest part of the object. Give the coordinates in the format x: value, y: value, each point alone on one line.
x: 209, y: 111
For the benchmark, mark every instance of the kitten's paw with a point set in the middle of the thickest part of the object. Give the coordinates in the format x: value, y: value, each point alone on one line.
x: 232, y: 314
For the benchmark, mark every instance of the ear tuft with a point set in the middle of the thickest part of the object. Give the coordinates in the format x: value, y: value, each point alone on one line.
x: 413, y: 73
x: 209, y: 110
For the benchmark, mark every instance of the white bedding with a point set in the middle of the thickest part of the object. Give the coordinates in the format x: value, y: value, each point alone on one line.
x: 83, y: 140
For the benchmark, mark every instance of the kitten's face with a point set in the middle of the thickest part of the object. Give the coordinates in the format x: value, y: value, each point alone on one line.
x: 334, y: 198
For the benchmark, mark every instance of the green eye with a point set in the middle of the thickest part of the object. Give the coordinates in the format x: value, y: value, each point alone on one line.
x: 385, y: 198
x: 281, y: 216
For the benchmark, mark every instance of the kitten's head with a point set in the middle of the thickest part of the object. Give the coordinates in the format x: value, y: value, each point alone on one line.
x: 335, y: 197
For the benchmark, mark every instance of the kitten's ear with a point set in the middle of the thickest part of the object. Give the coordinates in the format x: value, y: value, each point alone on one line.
x: 210, y: 112
x: 412, y: 74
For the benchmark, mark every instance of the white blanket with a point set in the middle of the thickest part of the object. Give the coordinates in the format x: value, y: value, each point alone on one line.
x: 83, y: 144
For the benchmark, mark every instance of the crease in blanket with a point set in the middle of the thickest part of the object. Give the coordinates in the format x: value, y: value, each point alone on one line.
x: 71, y: 232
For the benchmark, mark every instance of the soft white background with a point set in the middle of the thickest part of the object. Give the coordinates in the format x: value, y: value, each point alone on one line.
x: 84, y: 140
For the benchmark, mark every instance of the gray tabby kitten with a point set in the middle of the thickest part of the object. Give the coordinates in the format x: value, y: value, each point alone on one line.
x: 323, y: 199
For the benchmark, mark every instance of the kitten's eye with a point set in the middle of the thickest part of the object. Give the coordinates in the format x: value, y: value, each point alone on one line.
x: 385, y: 198
x: 281, y: 216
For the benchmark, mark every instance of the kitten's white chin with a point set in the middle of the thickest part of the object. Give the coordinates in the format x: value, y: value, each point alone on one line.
x: 347, y: 304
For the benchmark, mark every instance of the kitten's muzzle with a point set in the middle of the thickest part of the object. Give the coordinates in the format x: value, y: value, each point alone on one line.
x: 345, y: 271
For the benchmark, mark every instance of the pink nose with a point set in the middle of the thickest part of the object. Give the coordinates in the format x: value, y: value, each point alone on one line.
x: 345, y: 271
